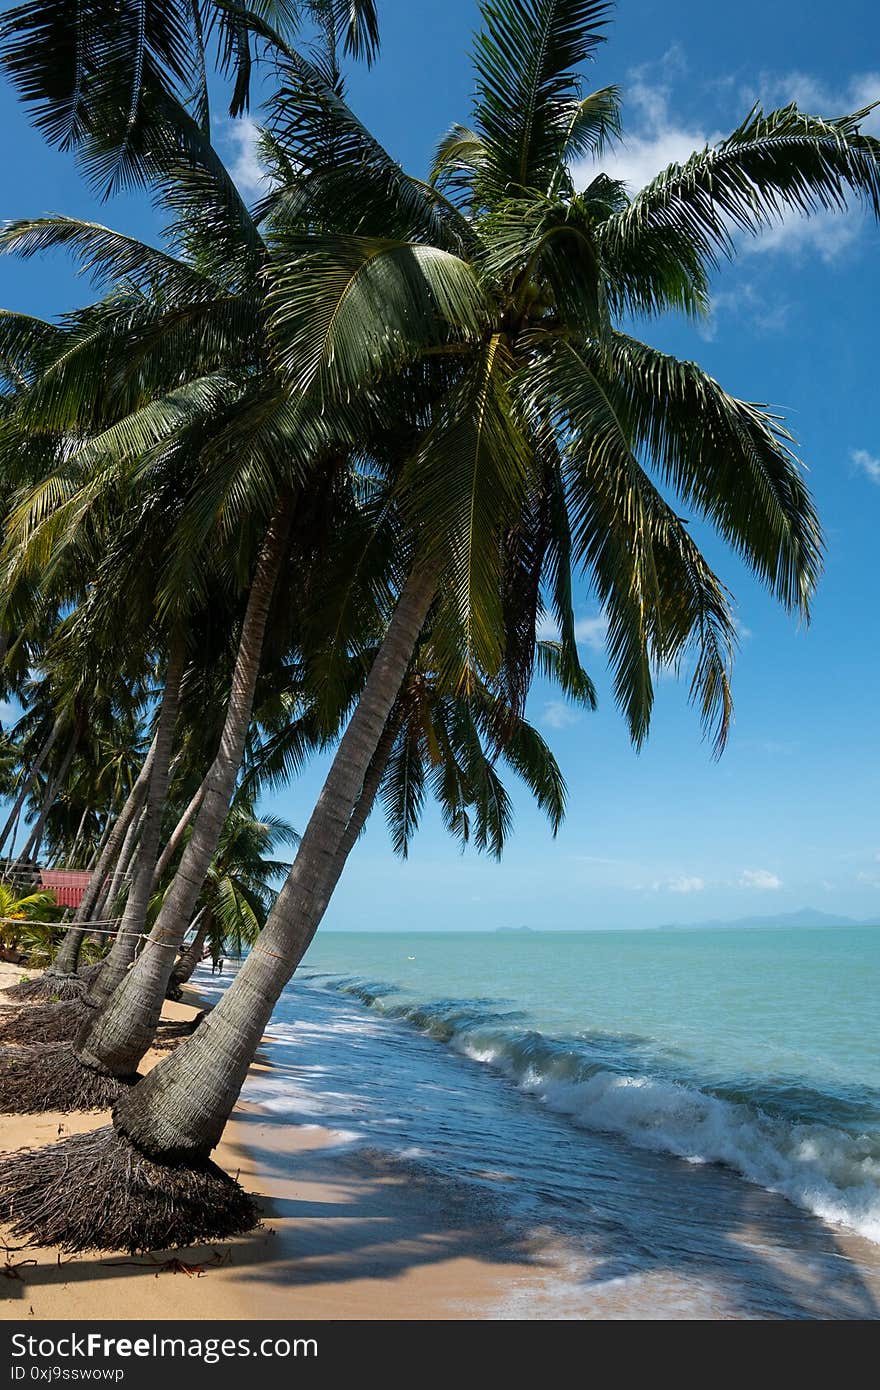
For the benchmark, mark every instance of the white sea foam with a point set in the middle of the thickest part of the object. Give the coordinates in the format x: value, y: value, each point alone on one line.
x: 821, y: 1168
x: 832, y: 1174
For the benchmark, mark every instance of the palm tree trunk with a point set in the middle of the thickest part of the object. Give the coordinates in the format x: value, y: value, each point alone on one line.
x: 35, y: 768
x: 370, y: 789
x: 134, y: 916
x: 179, y: 1110
x: 77, y: 839
x: 124, y: 1030
x: 53, y: 786
x: 176, y: 837
x: 116, y: 835
x: 190, y: 958
x: 113, y: 885
x: 105, y: 836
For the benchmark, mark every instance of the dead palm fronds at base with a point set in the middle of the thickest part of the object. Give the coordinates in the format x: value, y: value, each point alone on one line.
x: 34, y: 1079
x: 48, y: 989
x: 121, y: 1200
x: 43, y: 1023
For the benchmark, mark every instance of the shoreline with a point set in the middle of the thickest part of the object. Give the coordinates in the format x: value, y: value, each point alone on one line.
x: 354, y: 1231
x: 339, y: 1239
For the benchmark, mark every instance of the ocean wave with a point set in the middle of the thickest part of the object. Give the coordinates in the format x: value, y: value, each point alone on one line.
x: 828, y: 1171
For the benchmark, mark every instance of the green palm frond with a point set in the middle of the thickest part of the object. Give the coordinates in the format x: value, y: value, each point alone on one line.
x: 111, y: 79
x: 105, y: 255
x: 345, y: 180
x: 403, y: 789
x: 784, y: 161
x: 527, y: 57
x: 458, y: 490
x: 658, y: 592
x: 458, y: 159
x: 25, y: 344
x: 345, y: 310
x: 730, y: 459
x: 88, y: 72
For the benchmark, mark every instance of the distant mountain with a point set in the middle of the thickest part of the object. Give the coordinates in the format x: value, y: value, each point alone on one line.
x: 804, y: 917
x: 513, y: 929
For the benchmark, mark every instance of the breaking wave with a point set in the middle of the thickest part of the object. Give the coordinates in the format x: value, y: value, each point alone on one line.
x: 783, y: 1138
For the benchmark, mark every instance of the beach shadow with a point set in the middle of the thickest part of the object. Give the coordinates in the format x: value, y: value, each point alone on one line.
x: 670, y: 1238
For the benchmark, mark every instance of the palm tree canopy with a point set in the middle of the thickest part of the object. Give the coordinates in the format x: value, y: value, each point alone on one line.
x: 109, y: 79
x: 553, y: 436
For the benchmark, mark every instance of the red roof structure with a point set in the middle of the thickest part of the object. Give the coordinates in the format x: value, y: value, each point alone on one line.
x: 68, y: 885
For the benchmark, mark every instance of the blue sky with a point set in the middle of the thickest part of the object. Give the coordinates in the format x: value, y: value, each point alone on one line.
x: 789, y: 816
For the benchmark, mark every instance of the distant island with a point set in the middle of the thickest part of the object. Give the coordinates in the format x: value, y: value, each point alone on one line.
x: 804, y: 917
x: 508, y: 930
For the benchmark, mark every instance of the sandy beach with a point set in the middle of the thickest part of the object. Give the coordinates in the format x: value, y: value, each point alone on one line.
x: 361, y: 1243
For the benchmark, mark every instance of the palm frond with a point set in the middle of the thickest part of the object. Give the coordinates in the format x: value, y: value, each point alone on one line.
x: 346, y: 310
x: 773, y: 164
x: 527, y: 57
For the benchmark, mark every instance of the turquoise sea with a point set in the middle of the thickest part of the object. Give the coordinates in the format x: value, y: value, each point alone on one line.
x: 689, y: 1120
x: 758, y: 1049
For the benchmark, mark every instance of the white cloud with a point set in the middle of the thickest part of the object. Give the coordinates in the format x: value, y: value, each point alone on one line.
x: 817, y: 97
x: 747, y: 304
x: 641, y: 157
x: 592, y: 632
x: 686, y: 884
x: 660, y: 137
x: 867, y: 463
x: 558, y: 715
x: 759, y: 878
x: 249, y: 175
x: 825, y: 234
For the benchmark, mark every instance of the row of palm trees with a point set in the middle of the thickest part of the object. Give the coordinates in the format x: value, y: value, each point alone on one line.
x: 315, y: 473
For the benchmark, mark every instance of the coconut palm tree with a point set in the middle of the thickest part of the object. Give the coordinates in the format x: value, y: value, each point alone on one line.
x: 501, y: 289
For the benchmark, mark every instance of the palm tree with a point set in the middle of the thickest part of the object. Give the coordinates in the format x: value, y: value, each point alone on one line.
x: 492, y: 299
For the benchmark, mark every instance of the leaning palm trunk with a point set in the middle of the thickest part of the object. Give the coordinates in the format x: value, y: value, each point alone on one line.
x: 70, y: 861
x: 175, y: 839
x: 138, y: 900
x: 165, y: 1128
x: 190, y: 958
x: 122, y: 1032
x: 60, y: 1081
x: 111, y: 848
x: 369, y: 791
x: 114, y: 838
x: 15, y: 814
x: 112, y: 887
x: 60, y: 980
x: 105, y: 836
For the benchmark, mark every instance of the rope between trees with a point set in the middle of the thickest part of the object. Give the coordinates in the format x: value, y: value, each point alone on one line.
x: 95, y: 930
